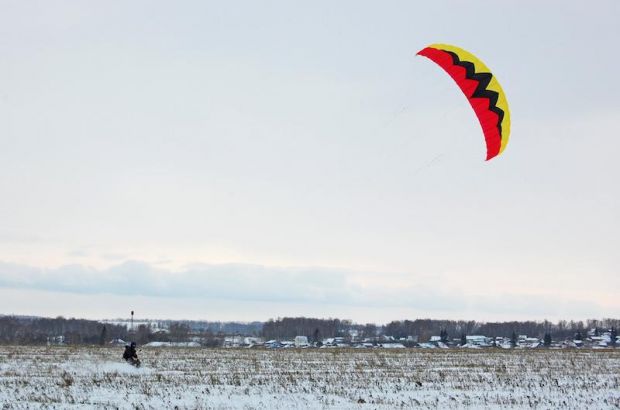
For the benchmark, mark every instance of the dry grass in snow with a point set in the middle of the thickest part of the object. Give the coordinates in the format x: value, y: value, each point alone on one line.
x: 87, y: 377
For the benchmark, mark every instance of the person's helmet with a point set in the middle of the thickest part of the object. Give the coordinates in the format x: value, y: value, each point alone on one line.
x: 133, y: 344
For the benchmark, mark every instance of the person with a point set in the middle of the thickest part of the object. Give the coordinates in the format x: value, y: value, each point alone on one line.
x: 130, y: 355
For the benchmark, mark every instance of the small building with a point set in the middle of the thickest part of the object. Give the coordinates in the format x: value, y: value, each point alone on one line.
x: 252, y: 341
x: 301, y: 341
x: 56, y: 340
x: 233, y: 341
x: 273, y: 344
x: 478, y: 340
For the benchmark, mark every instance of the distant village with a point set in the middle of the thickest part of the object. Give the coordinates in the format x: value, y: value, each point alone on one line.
x: 311, y: 333
x: 593, y: 339
x: 376, y: 337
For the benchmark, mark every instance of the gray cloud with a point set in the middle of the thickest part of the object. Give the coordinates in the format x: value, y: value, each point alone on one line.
x: 285, y: 285
x: 233, y: 281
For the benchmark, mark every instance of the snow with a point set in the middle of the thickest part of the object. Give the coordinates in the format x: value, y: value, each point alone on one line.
x: 393, y: 346
x: 190, y: 378
x: 172, y: 344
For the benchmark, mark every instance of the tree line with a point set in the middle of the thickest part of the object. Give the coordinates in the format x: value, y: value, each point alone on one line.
x: 36, y: 330
x: 27, y: 330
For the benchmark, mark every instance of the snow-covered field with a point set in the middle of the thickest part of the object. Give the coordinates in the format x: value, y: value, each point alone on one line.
x: 81, y: 377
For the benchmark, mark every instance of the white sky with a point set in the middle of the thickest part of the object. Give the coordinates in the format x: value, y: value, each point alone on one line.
x: 289, y: 158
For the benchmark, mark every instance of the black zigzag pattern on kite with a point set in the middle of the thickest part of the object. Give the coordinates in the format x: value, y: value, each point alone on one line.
x: 481, y: 91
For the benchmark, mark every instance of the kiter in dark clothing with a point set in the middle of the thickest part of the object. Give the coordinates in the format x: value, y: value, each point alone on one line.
x: 130, y: 355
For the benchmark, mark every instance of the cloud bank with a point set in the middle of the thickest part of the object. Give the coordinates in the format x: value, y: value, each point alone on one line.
x: 256, y: 284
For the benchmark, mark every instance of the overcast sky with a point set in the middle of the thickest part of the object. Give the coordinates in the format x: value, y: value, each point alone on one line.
x: 247, y: 160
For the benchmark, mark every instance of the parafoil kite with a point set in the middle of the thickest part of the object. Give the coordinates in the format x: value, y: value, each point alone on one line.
x: 481, y: 89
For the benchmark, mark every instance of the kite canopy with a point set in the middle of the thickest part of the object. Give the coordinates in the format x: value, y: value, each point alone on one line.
x: 481, y: 89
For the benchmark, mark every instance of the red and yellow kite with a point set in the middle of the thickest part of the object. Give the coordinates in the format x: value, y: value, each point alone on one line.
x: 481, y: 89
